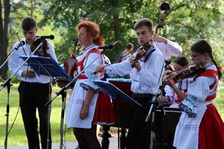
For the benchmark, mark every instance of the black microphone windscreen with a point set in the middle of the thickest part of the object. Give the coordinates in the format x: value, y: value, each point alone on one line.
x: 51, y: 36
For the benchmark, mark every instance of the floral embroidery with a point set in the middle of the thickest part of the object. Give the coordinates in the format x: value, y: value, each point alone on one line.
x: 189, y: 106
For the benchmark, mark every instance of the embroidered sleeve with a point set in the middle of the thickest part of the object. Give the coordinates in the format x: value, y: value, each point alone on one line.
x: 189, y: 105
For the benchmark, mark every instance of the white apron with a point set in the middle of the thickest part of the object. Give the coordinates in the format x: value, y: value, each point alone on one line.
x: 74, y: 106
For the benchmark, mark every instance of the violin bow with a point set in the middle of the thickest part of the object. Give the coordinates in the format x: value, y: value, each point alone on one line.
x: 104, y: 14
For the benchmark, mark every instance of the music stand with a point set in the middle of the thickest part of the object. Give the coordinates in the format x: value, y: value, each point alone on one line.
x: 46, y: 66
x: 114, y: 92
x: 49, y: 67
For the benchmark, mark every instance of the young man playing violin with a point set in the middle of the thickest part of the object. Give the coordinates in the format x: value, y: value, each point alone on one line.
x: 35, y: 90
x: 145, y: 73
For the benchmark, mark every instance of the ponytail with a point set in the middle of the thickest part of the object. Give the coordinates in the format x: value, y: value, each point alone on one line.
x: 218, y: 68
x: 98, y: 41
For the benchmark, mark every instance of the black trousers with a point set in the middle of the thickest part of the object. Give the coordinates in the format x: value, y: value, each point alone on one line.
x: 34, y: 96
x: 138, y: 133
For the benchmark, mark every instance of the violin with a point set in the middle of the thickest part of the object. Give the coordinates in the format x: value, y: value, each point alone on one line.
x: 141, y: 51
x: 189, y: 71
x: 42, y: 51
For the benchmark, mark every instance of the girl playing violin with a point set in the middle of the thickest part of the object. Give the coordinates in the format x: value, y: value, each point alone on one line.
x: 200, y: 125
x: 170, y: 96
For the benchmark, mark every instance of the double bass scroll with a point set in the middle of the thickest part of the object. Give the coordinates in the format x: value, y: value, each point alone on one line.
x: 160, y: 23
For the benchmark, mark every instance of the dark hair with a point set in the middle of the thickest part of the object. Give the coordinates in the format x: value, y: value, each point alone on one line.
x: 182, y: 61
x: 28, y: 23
x: 92, y: 30
x: 144, y: 22
x: 129, y: 46
x: 168, y: 67
x: 202, y: 46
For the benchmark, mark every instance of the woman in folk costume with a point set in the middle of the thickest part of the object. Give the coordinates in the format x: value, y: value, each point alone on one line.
x: 200, y: 125
x: 84, y: 108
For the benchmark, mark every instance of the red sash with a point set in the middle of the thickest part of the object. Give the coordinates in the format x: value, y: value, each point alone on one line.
x: 213, y: 74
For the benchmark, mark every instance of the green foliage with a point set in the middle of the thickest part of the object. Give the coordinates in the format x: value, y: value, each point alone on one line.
x: 188, y: 21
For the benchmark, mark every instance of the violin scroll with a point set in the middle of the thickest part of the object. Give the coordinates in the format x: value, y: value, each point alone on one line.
x: 142, y: 50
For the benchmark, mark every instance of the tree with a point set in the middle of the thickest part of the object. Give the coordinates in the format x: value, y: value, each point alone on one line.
x: 188, y: 21
x: 4, y: 31
x: 12, y: 13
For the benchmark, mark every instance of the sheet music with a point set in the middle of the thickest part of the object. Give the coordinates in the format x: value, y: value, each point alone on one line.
x: 114, y: 92
x: 46, y: 66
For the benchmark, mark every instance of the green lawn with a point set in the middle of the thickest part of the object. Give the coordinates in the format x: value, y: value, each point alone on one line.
x: 17, y: 134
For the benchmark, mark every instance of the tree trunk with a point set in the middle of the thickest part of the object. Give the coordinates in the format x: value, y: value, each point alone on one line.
x: 116, y: 24
x: 1, y: 33
x: 4, y: 30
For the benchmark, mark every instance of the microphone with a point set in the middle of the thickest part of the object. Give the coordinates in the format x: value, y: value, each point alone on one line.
x: 109, y: 46
x: 49, y: 37
x: 21, y: 43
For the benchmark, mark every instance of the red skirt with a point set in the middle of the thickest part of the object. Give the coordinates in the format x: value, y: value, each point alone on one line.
x: 211, y: 130
x: 104, y: 112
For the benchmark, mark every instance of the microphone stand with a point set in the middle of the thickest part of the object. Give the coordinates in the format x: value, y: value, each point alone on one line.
x: 63, y: 93
x: 11, y: 53
x: 8, y: 92
x: 8, y: 84
x: 152, y: 107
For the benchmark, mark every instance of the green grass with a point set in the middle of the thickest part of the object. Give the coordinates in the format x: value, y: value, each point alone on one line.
x: 17, y: 135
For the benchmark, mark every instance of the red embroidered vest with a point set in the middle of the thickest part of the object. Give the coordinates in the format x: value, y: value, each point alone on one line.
x: 80, y: 63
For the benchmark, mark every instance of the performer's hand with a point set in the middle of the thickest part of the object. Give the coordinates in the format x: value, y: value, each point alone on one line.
x: 72, y: 55
x: 85, y: 109
x: 28, y: 74
x: 168, y: 75
x: 100, y: 68
x: 158, y: 38
x: 135, y: 64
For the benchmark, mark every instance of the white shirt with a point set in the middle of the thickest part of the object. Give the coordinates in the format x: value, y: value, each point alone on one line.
x: 169, y: 49
x: 16, y: 62
x: 146, y: 80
